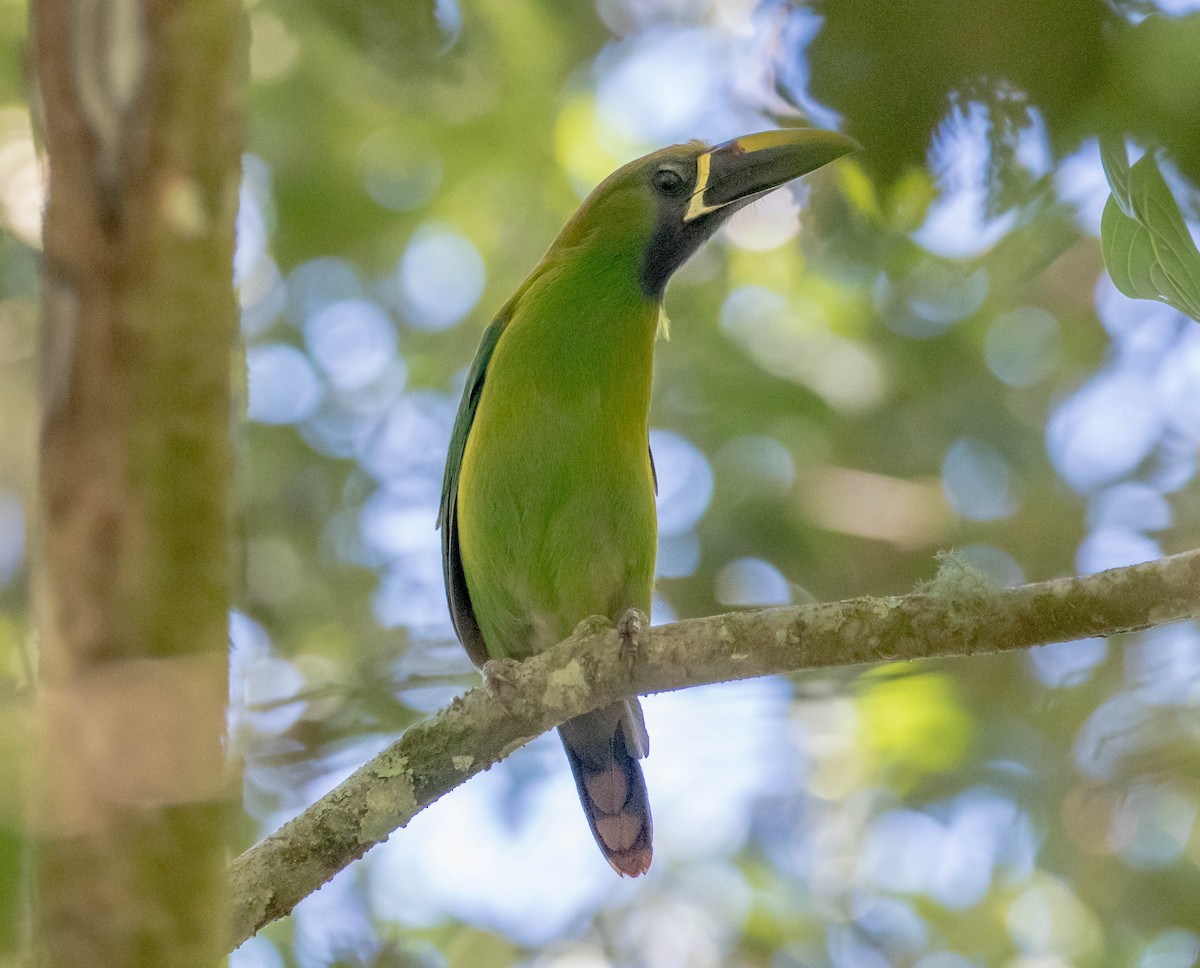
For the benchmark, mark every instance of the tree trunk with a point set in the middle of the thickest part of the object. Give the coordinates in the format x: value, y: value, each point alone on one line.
x: 141, y: 105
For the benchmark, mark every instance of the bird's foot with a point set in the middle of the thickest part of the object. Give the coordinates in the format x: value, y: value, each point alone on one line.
x: 499, y: 679
x: 633, y: 628
x: 592, y: 625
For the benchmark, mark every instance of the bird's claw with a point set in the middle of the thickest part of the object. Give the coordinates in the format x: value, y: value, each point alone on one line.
x: 499, y: 679
x: 632, y: 628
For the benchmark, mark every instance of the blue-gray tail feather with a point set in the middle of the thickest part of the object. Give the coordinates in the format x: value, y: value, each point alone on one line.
x: 603, y: 748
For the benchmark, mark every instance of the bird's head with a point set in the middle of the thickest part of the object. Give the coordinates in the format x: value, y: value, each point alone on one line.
x: 667, y: 203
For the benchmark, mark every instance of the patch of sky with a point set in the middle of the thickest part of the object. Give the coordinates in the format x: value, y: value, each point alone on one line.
x: 353, y: 342
x: 260, y: 683
x: 256, y: 211
x: 449, y: 19
x: 336, y: 430
x: 1079, y: 181
x: 626, y: 16
x: 1172, y: 465
x: 1105, y: 429
x: 396, y: 526
x: 375, y: 399
x: 901, y: 850
x: 439, y: 279
x: 944, y: 959
x: 767, y: 223
x: 1114, y: 547
x: 259, y: 283
x: 261, y: 296
x: 1179, y: 383
x: 283, y: 387
x: 678, y: 555
x: 351, y: 415
x: 741, y: 726
x: 685, y: 482
x: 751, y: 581
x: 332, y: 926
x: 670, y: 84
x: 893, y: 923
x: 995, y: 564
x: 957, y: 225
x: 1033, y: 146
x: 436, y: 659
x: 257, y: 952
x: 718, y: 893
x: 449, y: 861
x: 849, y: 949
x: 1163, y: 665
x: 802, y: 25
x: 1142, y: 330
x: 1129, y: 504
x: 1136, y: 13
x: 1118, y: 728
x: 976, y: 481
x: 1063, y: 665
x: 677, y: 928
x: 429, y: 676
x: 12, y: 536
x: 952, y: 859
x: 411, y: 593
x: 412, y: 440
x: 661, y: 611
x: 747, y: 303
x: 315, y: 284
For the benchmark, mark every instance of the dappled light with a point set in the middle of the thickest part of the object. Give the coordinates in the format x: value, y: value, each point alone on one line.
x: 914, y: 351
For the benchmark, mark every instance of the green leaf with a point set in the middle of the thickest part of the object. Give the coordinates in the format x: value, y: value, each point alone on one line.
x: 1147, y: 248
x: 1128, y: 253
x: 1177, y: 255
x: 1116, y: 169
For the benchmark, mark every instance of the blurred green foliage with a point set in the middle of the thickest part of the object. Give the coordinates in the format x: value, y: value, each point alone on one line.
x: 931, y: 357
x: 1088, y: 67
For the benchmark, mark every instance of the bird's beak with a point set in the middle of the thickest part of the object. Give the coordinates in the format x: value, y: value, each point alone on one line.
x: 740, y: 170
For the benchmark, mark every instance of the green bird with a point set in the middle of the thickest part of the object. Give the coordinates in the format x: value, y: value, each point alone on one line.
x: 547, y: 511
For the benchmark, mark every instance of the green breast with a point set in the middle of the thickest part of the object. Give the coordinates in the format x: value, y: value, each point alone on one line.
x: 556, y: 496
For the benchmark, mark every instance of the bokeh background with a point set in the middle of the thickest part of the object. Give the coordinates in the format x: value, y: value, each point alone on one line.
x: 916, y: 350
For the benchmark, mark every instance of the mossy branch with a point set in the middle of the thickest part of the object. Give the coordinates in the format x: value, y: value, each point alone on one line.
x: 955, y: 615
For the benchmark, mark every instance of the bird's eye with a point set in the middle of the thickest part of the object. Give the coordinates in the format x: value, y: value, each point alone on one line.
x: 669, y: 181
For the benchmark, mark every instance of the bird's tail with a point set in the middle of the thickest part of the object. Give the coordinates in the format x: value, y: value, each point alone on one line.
x: 604, y: 748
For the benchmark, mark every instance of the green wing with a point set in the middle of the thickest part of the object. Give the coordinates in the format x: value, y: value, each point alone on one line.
x: 457, y: 596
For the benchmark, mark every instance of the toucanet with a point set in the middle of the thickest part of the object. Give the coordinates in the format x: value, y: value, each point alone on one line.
x: 547, y: 511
